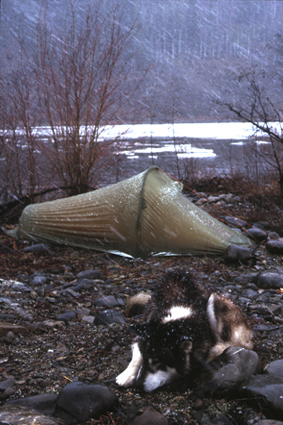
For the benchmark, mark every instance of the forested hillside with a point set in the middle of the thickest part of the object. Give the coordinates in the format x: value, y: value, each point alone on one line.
x: 191, y: 47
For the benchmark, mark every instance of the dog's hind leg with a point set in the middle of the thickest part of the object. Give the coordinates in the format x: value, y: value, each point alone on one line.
x: 129, y: 376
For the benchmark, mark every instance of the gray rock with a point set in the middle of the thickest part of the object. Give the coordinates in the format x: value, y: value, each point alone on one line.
x: 227, y: 197
x: 40, y: 291
x: 245, y: 279
x: 260, y: 309
x: 250, y: 293
x: 15, y: 285
x: 84, y: 401
x: 23, y: 278
x: 274, y: 235
x: 67, y: 316
x: 268, y: 389
x: 221, y: 420
x: 70, y: 291
x: 109, y: 301
x: 149, y: 416
x: 275, y: 368
x: 261, y: 225
x: 8, y: 317
x: 7, y: 388
x: 43, y: 403
x: 276, y: 309
x: 237, y: 253
x: 275, y: 246
x: 4, y: 385
x: 269, y: 279
x: 265, y: 328
x: 107, y: 317
x: 236, y: 364
x: 5, y: 328
x: 88, y: 319
x: 89, y: 274
x: 201, y: 202
x: 20, y: 415
x: 38, y: 280
x: 269, y: 422
x: 201, y: 417
x: 213, y: 199
x: 20, y: 287
x: 257, y: 234
x: 234, y: 221
x: 10, y: 337
x: 37, y: 248
x: 87, y: 284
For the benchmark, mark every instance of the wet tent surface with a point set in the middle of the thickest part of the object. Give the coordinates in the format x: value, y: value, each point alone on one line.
x: 144, y: 215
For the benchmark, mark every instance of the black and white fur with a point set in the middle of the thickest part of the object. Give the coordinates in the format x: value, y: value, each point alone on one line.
x: 187, y: 328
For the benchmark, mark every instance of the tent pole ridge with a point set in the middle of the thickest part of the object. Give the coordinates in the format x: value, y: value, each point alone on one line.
x: 142, y: 205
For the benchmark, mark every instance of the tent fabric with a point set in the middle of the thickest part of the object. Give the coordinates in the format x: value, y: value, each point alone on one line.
x: 144, y: 215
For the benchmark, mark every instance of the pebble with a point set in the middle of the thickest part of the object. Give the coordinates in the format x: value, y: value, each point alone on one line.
x: 43, y: 403
x: 149, y: 416
x: 88, y: 319
x: 82, y: 401
x: 37, y: 248
x: 269, y: 279
x: 76, y: 403
x: 108, y: 317
x: 256, y: 234
x: 236, y: 253
x: 89, y: 274
x: 11, y: 328
x: 109, y: 301
x: 275, y: 246
x: 275, y: 368
x: 67, y: 316
x: 38, y: 280
x: 86, y: 284
x: 234, y: 221
x: 239, y: 364
x: 267, y: 388
x: 6, y: 388
x: 20, y: 415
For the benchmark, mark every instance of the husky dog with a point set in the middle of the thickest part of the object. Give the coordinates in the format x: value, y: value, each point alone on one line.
x: 187, y: 329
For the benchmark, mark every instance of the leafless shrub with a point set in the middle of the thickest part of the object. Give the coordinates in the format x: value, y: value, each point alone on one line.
x: 84, y: 76
x: 77, y: 82
x: 257, y: 108
x: 19, y: 171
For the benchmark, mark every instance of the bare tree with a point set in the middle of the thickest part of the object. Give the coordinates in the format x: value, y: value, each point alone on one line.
x: 19, y: 113
x: 256, y: 107
x: 83, y: 72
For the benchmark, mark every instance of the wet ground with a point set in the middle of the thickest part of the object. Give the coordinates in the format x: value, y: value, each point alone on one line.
x: 52, y: 353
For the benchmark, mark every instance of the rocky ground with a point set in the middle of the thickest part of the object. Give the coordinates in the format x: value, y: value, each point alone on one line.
x: 54, y: 329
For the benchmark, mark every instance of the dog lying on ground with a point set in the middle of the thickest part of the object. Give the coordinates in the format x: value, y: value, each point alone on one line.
x: 187, y: 329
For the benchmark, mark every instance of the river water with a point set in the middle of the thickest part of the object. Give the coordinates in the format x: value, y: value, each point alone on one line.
x: 183, y: 150
x: 187, y: 150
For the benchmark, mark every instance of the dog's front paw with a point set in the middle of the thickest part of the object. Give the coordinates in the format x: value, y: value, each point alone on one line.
x: 126, y: 378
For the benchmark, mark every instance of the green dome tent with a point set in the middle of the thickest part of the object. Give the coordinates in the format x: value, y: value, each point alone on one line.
x: 144, y: 215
